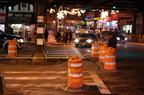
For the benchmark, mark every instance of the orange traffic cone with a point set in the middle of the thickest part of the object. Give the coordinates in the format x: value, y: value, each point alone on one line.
x: 110, y: 59
x: 94, y: 49
x: 102, y: 53
x: 12, y: 48
x: 75, y: 75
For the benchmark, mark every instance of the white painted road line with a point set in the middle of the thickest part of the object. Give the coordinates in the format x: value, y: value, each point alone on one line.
x: 27, y: 81
x: 15, y: 72
x: 35, y: 85
x: 99, y: 83
x: 34, y: 78
x: 77, y: 52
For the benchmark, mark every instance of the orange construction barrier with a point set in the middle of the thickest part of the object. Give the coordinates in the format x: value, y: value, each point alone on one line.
x: 94, y: 49
x: 12, y: 48
x: 75, y: 75
x: 110, y: 60
x: 102, y: 53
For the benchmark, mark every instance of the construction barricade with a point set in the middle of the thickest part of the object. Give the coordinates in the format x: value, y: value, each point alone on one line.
x: 102, y: 53
x: 110, y: 59
x: 12, y: 48
x: 94, y: 49
x: 75, y: 75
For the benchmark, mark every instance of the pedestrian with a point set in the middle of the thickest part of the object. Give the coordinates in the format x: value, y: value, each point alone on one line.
x: 113, y: 41
x: 10, y: 30
x: 46, y: 34
x: 34, y: 35
x: 58, y: 36
x: 128, y: 31
x: 66, y: 36
x: 70, y: 36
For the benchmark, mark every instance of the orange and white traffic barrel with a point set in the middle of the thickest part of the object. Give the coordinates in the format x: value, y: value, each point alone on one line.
x: 102, y: 53
x: 75, y: 75
x: 94, y: 49
x: 12, y: 48
x: 110, y: 59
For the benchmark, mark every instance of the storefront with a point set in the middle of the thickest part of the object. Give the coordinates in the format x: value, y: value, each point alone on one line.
x: 105, y: 20
x: 2, y: 27
x: 91, y: 19
x: 108, y: 20
x: 113, y: 24
x: 125, y: 22
x: 127, y: 28
x: 23, y: 23
x: 2, y: 22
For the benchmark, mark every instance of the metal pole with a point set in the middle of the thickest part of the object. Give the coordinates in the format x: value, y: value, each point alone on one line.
x: 2, y: 85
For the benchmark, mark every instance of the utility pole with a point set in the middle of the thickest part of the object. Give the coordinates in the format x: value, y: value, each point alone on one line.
x: 40, y: 10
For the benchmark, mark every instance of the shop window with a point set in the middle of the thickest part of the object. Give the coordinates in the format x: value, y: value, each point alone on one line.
x: 23, y: 5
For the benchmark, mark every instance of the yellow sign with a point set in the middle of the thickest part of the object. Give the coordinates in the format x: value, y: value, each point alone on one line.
x: 97, y: 18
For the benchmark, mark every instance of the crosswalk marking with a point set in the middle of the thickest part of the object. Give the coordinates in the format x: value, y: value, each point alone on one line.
x: 97, y: 81
x: 33, y: 78
x: 36, y: 85
x: 16, y: 79
x: 65, y: 52
x: 77, y: 52
x: 34, y: 72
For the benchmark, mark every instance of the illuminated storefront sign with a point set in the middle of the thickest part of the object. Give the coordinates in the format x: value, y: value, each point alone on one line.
x: 115, y: 16
x: 104, y: 15
x: 21, y: 17
x: 2, y: 18
x: 97, y: 18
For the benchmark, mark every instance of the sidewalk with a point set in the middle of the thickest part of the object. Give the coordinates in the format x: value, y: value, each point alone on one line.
x: 27, y: 51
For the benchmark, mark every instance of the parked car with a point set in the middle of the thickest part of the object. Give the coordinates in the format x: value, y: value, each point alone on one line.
x: 4, y: 37
x: 106, y: 35
x: 85, y: 40
x: 84, y: 30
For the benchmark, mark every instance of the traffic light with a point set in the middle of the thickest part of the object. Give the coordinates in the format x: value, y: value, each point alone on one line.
x: 114, y: 7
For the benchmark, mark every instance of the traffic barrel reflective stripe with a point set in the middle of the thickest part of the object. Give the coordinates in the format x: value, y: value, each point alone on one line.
x: 110, y: 59
x: 94, y: 49
x: 75, y: 65
x: 12, y: 48
x: 102, y: 53
x: 11, y: 51
x: 102, y: 57
x: 75, y: 80
x: 75, y: 75
x: 108, y: 63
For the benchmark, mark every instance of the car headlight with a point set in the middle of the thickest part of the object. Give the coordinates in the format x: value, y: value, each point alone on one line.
x: 76, y: 40
x: 20, y: 40
x: 76, y: 31
x: 87, y: 31
x: 89, y: 41
x: 125, y: 38
x: 118, y: 38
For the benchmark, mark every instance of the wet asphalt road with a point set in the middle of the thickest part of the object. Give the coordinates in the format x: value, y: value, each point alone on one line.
x: 128, y: 77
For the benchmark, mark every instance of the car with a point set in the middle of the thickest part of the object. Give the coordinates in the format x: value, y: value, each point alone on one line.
x: 85, y: 39
x: 121, y: 38
x: 106, y: 35
x: 4, y: 38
